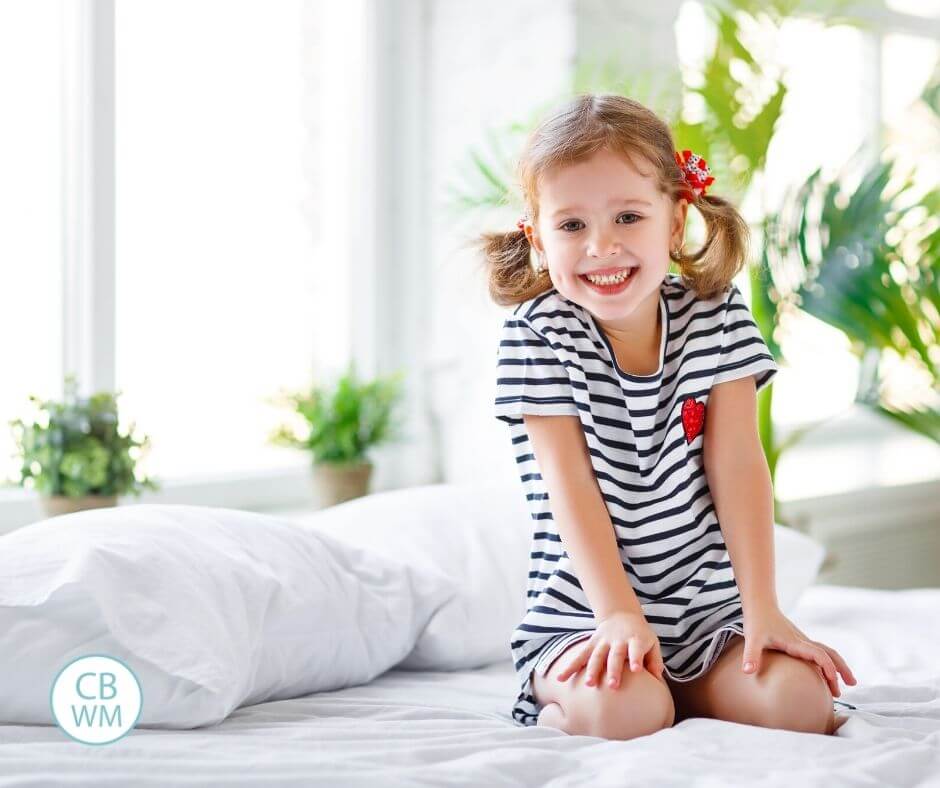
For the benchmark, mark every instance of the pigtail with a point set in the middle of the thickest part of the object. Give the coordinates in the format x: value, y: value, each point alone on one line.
x: 711, y: 269
x: 510, y: 274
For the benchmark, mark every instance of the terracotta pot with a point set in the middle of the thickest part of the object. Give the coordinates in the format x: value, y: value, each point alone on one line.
x: 334, y: 483
x: 63, y: 504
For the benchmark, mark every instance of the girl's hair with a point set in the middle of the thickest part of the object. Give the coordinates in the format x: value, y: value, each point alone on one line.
x: 585, y: 125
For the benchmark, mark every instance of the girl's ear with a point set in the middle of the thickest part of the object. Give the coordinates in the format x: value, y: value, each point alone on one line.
x: 678, y: 222
x: 534, y: 240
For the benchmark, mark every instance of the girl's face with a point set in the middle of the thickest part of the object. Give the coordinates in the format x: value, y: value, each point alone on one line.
x: 602, y: 215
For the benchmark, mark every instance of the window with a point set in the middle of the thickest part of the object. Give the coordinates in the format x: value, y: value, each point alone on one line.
x: 911, y: 138
x: 30, y: 204
x: 910, y: 132
x: 827, y: 114
x: 215, y: 257
x: 219, y: 265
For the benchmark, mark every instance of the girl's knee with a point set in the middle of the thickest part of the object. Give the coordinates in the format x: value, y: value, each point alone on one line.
x: 639, y: 707
x: 801, y: 701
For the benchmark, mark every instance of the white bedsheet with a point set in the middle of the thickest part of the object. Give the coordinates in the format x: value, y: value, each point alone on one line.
x: 436, y: 729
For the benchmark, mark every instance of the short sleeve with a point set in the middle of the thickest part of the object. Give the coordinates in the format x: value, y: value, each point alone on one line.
x: 530, y: 378
x: 743, y: 350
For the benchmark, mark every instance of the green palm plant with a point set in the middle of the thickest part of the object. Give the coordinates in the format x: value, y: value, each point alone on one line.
x: 733, y: 133
x: 878, y: 286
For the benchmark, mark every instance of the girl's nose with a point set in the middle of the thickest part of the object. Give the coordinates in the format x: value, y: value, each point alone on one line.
x: 603, y: 247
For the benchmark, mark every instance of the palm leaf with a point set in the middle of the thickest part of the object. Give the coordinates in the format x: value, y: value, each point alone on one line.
x: 850, y: 284
x: 924, y: 421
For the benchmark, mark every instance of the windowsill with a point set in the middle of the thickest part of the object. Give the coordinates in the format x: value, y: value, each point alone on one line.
x: 856, y: 454
x: 857, y: 451
x: 258, y: 491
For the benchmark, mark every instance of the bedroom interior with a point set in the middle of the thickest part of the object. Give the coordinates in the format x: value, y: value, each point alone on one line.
x: 248, y: 455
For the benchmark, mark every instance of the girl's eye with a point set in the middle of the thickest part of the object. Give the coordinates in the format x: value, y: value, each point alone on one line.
x: 577, y: 221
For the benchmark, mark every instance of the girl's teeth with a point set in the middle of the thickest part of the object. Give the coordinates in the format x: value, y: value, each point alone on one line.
x: 609, y: 280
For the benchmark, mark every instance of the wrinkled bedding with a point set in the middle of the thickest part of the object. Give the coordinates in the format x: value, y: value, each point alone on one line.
x: 431, y: 728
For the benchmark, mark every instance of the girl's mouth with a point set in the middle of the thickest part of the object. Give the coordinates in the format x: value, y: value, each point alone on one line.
x: 613, y: 288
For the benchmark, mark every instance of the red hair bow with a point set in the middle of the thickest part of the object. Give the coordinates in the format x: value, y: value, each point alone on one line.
x: 696, y: 173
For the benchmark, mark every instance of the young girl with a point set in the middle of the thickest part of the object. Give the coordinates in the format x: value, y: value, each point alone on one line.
x: 629, y: 565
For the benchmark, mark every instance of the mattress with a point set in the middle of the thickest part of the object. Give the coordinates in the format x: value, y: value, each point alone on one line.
x: 437, y: 729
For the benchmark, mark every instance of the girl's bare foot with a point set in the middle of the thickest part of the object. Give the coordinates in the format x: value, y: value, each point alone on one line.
x: 838, y: 721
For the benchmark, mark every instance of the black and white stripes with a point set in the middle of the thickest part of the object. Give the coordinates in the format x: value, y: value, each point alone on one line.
x: 553, y: 359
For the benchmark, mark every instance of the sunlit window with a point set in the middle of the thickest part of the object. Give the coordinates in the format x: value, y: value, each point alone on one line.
x: 910, y: 127
x: 30, y: 207
x: 912, y: 139
x: 825, y: 119
x: 215, y: 294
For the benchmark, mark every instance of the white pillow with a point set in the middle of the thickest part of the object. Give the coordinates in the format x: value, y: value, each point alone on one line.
x: 474, y: 535
x: 797, y: 559
x: 211, y: 608
x: 478, y: 535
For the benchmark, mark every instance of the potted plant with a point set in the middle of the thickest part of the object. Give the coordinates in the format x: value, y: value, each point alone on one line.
x: 337, y: 425
x: 73, y: 454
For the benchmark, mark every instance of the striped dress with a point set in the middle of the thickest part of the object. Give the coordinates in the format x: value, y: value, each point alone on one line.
x: 645, y: 436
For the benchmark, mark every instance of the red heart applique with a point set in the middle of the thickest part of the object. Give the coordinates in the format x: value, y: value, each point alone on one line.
x: 693, y: 418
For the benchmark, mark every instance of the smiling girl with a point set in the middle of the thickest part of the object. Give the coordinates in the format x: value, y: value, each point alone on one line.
x: 630, y: 394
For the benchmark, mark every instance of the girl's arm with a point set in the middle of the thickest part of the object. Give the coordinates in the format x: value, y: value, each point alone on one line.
x: 741, y: 488
x: 580, y: 513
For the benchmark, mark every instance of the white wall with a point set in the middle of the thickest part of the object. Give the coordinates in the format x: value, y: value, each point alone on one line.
x: 491, y: 63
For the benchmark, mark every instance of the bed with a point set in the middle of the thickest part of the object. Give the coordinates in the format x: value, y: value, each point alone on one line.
x: 435, y: 728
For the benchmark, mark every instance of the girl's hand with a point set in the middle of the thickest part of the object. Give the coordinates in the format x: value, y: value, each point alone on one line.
x: 767, y: 627
x: 618, y: 637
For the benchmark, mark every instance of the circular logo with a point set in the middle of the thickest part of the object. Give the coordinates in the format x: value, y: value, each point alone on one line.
x: 96, y: 699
